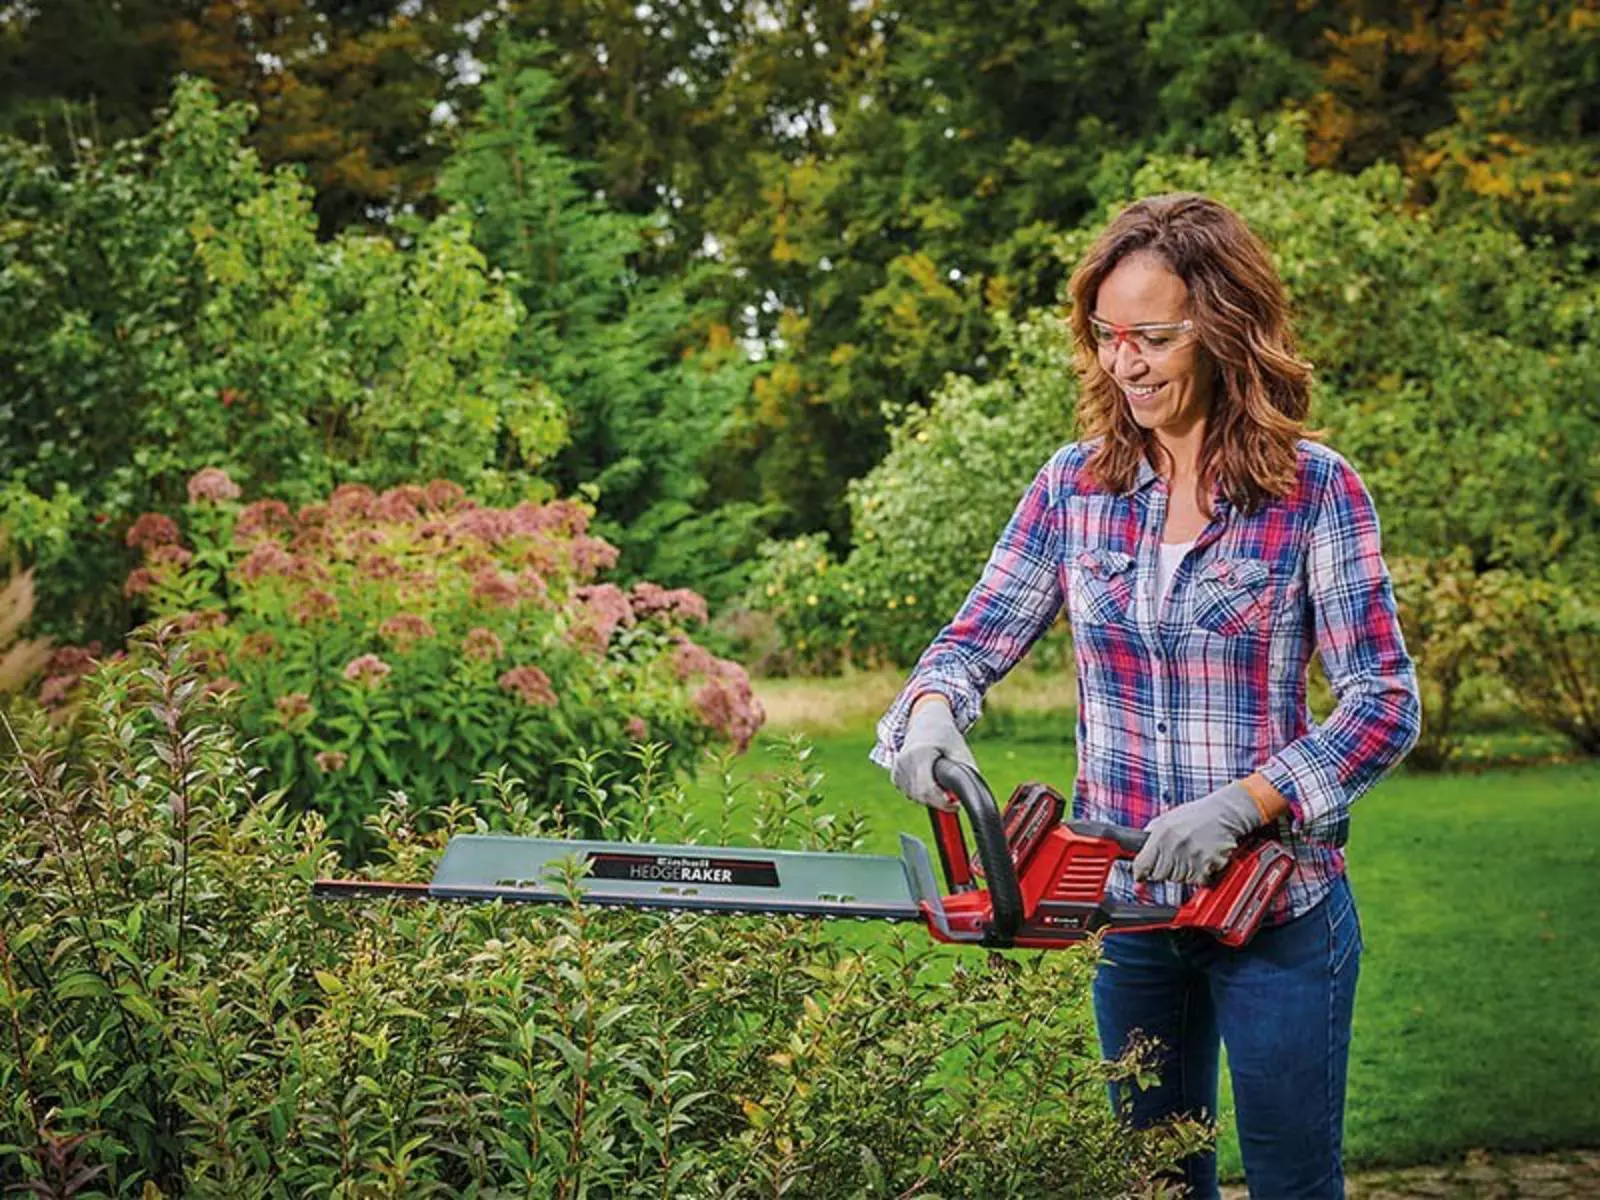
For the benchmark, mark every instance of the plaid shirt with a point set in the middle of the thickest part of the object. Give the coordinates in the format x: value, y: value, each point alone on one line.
x: 1176, y: 702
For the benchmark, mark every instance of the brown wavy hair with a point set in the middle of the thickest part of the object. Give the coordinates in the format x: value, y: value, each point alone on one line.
x: 1261, y: 390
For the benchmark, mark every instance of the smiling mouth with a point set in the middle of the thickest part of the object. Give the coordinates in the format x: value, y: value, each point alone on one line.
x: 1140, y: 392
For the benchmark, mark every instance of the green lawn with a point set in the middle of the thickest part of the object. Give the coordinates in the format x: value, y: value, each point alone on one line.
x: 1478, y: 1014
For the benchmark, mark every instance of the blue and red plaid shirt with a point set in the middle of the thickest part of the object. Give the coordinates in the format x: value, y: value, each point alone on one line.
x: 1177, y: 700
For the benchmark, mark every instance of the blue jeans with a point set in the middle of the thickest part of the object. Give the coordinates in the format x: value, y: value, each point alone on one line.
x: 1282, y: 1004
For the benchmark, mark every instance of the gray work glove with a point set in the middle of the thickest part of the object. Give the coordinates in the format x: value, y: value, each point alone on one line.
x: 1193, y: 842
x: 931, y: 734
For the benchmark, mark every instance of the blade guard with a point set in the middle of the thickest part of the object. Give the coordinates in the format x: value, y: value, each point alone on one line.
x: 1046, y: 877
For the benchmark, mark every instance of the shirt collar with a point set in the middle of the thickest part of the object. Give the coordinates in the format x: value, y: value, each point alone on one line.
x: 1147, y: 475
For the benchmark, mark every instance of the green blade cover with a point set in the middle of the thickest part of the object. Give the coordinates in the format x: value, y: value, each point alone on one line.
x: 646, y: 875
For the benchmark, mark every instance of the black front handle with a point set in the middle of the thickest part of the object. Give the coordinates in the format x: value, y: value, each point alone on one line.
x: 989, y: 832
x: 1130, y: 840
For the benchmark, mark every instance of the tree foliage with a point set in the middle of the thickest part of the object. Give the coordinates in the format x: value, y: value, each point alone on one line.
x: 1490, y: 108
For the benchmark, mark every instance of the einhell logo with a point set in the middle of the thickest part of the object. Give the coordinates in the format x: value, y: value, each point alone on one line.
x: 669, y: 868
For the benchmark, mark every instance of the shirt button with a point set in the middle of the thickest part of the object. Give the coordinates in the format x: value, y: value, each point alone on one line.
x: 1161, y: 726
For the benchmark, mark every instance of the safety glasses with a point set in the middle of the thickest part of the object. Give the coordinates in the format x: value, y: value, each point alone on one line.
x: 1150, y: 340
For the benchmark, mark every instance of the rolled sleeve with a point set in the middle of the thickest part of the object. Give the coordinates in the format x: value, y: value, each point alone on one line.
x: 1014, y: 601
x: 1378, y: 716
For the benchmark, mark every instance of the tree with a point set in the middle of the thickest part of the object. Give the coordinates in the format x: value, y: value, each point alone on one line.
x: 1489, y: 106
x: 644, y: 371
x: 83, y: 68
x: 355, y: 90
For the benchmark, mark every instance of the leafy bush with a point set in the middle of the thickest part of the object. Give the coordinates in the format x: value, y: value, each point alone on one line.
x: 176, y: 1018
x: 166, y: 304
x: 413, y: 639
x: 1546, y: 640
x: 926, y: 518
x: 1446, y: 614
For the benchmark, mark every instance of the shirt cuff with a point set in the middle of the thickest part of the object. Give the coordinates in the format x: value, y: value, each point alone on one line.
x: 966, y: 705
x: 1318, y: 805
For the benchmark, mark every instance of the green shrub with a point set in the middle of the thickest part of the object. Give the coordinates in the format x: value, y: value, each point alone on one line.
x: 1546, y: 643
x: 177, y: 1018
x: 926, y: 518
x: 1446, y: 614
x: 815, y: 608
x: 413, y: 639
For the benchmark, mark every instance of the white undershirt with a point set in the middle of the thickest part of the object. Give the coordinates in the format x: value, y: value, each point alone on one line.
x: 1167, y: 566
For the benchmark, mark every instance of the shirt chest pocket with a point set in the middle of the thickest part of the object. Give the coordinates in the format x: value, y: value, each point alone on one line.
x: 1232, y: 595
x: 1101, y: 586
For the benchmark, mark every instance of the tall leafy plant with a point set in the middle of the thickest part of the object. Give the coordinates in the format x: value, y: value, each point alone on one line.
x: 645, y: 374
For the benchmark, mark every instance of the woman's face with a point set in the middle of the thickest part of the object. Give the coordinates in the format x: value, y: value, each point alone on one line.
x: 1165, y: 374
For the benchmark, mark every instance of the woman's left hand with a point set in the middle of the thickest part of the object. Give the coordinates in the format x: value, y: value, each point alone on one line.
x: 1193, y: 842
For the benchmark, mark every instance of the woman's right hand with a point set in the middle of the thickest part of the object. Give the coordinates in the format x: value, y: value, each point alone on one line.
x: 931, y: 734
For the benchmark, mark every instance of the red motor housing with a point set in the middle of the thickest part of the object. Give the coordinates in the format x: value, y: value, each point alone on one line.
x: 1061, y: 869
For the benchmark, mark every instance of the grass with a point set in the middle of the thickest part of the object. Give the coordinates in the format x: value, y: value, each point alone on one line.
x: 1478, y: 1010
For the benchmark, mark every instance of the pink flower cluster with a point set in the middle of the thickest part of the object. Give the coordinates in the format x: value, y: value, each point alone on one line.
x: 212, y: 483
x: 601, y: 608
x: 367, y: 669
x: 591, y: 555
x: 690, y: 658
x: 200, y: 619
x: 726, y: 703
x: 482, y: 645
x: 140, y: 580
x: 725, y: 700
x: 267, y: 558
x: 264, y: 518
x: 316, y: 605
x: 405, y: 629
x: 292, y: 706
x: 168, y: 556
x: 494, y: 590
x: 530, y: 683
x: 151, y: 530
x: 653, y: 600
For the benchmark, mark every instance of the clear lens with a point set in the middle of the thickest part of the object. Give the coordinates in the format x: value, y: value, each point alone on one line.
x: 1148, y: 341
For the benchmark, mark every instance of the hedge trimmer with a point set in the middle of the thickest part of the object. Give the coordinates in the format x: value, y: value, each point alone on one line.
x: 1045, y: 876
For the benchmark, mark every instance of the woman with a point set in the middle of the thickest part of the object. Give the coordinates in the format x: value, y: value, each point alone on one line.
x: 1202, y: 546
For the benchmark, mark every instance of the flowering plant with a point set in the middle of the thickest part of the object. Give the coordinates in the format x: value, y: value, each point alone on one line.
x: 412, y: 640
